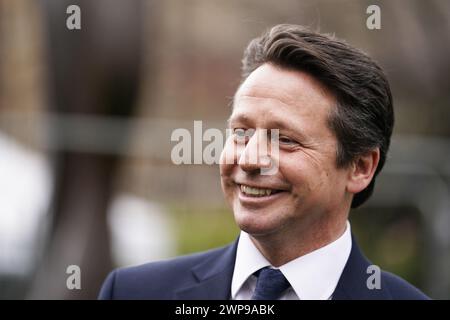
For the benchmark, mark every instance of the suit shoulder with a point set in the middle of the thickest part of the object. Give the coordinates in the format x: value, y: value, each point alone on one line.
x: 181, y: 263
x: 400, y: 289
x: 154, y: 280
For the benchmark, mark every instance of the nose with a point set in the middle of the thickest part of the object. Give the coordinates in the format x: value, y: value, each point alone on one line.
x: 255, y: 155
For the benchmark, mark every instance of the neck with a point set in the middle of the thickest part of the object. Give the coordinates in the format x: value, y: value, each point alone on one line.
x: 281, y: 247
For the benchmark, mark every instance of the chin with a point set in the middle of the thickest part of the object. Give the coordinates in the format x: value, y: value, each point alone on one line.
x: 254, y: 223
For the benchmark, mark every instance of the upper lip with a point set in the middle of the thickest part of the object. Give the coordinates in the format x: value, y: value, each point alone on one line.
x: 252, y: 185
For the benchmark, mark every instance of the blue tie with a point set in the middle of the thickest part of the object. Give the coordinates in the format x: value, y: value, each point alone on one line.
x: 270, y: 285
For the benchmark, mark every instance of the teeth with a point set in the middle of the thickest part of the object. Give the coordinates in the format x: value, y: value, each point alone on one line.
x: 256, y: 192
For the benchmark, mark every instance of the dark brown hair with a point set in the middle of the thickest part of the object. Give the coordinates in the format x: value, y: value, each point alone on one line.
x: 364, y: 118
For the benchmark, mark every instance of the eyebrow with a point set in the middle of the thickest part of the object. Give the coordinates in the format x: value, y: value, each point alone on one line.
x: 271, y: 124
x: 243, y: 118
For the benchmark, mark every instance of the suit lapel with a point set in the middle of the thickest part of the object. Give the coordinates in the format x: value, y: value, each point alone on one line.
x: 213, y: 277
x: 353, y: 281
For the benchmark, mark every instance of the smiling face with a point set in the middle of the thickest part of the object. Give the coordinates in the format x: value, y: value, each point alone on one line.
x: 308, y: 189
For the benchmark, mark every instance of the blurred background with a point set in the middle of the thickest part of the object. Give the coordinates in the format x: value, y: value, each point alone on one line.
x: 86, y: 118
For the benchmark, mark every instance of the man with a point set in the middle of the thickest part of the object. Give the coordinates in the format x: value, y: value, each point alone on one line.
x: 332, y: 107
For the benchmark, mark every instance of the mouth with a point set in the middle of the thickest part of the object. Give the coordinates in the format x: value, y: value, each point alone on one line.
x: 257, y: 192
x: 258, y: 197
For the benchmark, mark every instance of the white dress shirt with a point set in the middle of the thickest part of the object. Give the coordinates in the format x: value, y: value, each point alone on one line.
x: 313, y: 276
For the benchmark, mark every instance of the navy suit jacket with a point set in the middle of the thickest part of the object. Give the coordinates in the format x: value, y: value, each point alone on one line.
x: 208, y: 275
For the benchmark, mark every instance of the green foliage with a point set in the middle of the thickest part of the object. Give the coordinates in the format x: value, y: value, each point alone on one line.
x: 200, y: 228
x: 392, y: 238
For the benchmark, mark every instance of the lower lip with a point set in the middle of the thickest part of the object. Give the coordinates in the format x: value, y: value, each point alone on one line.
x: 265, y: 200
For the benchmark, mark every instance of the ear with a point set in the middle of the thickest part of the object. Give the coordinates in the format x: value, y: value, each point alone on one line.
x: 362, y: 171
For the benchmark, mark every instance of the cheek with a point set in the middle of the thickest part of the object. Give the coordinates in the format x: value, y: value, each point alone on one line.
x: 227, y: 159
x: 231, y: 152
x: 228, y: 187
x: 304, y: 174
x: 227, y: 167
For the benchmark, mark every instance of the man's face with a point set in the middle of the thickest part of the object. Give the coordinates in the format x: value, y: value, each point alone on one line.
x: 307, y: 187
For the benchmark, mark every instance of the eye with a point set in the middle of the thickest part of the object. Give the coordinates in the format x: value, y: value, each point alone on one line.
x: 242, y: 135
x: 239, y: 132
x: 286, y: 140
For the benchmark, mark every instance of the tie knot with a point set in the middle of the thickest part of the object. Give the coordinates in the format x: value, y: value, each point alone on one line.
x: 270, y: 285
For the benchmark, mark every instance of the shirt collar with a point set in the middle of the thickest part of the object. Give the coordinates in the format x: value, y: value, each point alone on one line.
x: 313, y: 276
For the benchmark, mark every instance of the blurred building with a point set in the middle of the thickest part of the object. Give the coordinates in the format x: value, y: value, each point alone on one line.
x: 103, y: 101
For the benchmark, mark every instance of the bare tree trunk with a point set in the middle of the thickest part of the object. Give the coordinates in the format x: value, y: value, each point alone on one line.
x: 93, y: 71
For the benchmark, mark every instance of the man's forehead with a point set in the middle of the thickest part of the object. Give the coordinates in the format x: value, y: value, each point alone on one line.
x: 287, y: 86
x: 264, y: 91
